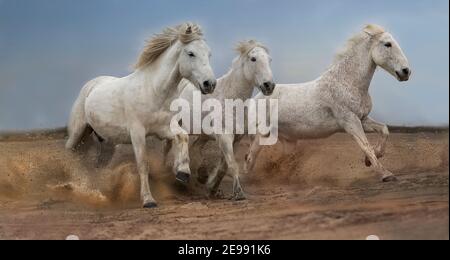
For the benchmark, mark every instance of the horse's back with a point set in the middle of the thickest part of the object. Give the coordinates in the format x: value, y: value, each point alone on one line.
x: 98, y: 81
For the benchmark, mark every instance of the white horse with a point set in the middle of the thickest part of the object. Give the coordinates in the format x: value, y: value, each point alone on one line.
x: 339, y: 99
x: 127, y: 110
x: 249, y: 70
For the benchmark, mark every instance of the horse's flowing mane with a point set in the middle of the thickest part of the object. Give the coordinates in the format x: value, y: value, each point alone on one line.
x: 160, y: 42
x: 244, y: 47
x: 367, y: 33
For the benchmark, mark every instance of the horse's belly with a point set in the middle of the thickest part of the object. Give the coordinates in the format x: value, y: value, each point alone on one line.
x: 111, y: 133
x: 308, y: 126
x: 306, y: 131
x: 109, y: 130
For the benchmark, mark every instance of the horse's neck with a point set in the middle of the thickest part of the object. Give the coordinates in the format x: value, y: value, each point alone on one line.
x: 162, y: 77
x: 353, y: 71
x: 235, y: 85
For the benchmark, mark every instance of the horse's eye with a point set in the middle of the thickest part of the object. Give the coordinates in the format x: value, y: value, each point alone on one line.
x: 253, y: 59
x: 191, y: 54
x: 388, y: 45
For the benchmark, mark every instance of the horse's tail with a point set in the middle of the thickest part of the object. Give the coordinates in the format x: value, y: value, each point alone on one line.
x: 77, y: 120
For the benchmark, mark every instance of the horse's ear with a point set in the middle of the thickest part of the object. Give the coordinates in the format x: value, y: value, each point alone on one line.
x: 373, y: 29
x: 189, y: 30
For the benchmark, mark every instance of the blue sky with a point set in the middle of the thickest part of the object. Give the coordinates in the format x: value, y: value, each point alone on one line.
x: 50, y: 48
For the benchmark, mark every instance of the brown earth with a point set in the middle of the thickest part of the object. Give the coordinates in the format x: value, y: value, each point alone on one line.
x: 320, y: 190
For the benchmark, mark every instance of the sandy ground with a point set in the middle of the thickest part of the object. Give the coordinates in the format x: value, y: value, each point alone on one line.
x: 320, y: 190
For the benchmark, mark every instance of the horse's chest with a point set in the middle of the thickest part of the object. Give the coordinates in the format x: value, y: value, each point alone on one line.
x: 365, y: 107
x: 156, y: 122
x: 361, y: 105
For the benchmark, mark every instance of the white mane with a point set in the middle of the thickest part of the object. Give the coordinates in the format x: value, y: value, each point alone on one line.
x: 244, y: 47
x: 366, y: 34
x: 159, y: 43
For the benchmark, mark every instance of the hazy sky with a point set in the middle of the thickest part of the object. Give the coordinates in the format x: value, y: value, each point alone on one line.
x: 50, y: 48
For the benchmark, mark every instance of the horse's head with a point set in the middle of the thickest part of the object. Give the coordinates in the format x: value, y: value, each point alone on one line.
x: 386, y: 53
x: 256, y: 61
x: 194, y: 61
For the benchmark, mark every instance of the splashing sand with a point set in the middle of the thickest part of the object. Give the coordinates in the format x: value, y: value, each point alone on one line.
x: 321, y: 190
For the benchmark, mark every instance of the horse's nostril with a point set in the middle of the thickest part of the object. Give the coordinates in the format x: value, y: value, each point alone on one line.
x: 206, y: 84
x: 269, y: 85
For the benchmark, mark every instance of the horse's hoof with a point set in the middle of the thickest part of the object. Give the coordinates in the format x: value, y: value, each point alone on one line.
x: 212, y: 193
x: 183, y: 177
x: 368, y: 163
x: 239, y: 197
x: 391, y: 178
x: 150, y: 205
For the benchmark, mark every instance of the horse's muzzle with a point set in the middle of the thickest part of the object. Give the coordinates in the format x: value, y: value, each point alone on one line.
x: 404, y: 74
x: 267, y: 88
x: 208, y: 87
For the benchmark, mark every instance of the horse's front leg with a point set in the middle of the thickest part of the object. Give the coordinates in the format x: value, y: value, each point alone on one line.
x: 254, y: 150
x: 215, y: 178
x: 196, y: 149
x: 138, y: 134
x: 180, y: 145
x: 371, y: 125
x: 167, y: 147
x: 226, y: 143
x: 352, y: 125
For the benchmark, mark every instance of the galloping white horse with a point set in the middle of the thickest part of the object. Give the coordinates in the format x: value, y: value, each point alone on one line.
x: 124, y: 110
x: 249, y: 70
x: 339, y: 99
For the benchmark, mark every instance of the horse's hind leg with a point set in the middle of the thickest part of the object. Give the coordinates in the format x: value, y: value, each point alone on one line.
x: 77, y: 134
x: 105, y: 151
